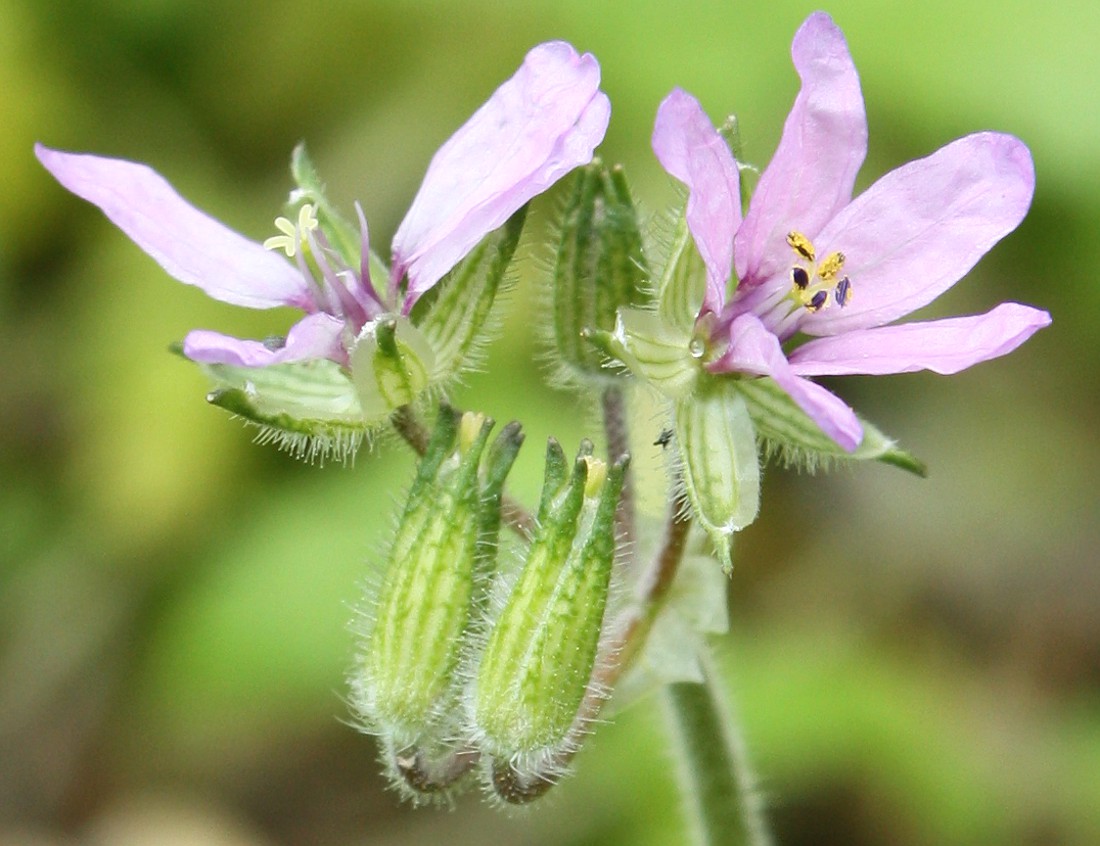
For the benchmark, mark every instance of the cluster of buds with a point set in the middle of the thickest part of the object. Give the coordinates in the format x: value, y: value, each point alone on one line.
x: 448, y: 678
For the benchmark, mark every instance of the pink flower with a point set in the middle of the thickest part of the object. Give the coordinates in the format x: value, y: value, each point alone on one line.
x: 811, y: 260
x: 540, y: 124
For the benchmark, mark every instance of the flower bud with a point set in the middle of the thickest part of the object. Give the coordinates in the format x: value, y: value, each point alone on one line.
x: 599, y: 266
x: 537, y: 662
x: 719, y: 466
x: 405, y: 686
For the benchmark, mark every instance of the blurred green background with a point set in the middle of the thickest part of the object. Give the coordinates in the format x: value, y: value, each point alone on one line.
x: 916, y: 661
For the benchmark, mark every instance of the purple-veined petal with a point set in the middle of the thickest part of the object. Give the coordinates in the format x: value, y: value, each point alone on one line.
x: 756, y: 351
x: 919, y: 229
x: 314, y: 336
x: 814, y: 169
x: 690, y: 149
x: 188, y: 243
x: 539, y: 125
x: 942, y: 346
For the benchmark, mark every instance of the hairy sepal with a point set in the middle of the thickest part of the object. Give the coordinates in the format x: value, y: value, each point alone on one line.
x: 790, y: 434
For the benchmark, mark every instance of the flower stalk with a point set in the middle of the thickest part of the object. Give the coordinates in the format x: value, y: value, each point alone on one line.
x: 716, y: 782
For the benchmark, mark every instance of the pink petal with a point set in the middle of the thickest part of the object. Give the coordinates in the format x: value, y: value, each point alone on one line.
x: 314, y: 336
x: 756, y: 351
x: 919, y: 229
x: 942, y: 346
x: 539, y: 125
x: 690, y: 149
x: 189, y: 244
x: 814, y: 168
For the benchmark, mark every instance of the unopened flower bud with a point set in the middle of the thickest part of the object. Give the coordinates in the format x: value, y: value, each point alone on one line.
x: 537, y: 663
x: 599, y: 266
x: 405, y: 687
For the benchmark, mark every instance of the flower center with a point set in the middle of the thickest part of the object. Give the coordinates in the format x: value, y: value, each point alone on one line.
x: 812, y: 281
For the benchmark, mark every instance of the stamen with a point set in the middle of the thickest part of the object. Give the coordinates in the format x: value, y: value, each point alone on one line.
x: 292, y: 235
x: 829, y: 268
x: 287, y: 242
x: 811, y: 286
x: 843, y: 292
x: 801, y: 245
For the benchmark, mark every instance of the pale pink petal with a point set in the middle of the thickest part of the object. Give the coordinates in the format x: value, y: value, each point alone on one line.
x: 814, y: 168
x: 942, y: 346
x: 691, y: 150
x: 539, y: 125
x: 756, y: 351
x: 919, y: 229
x: 314, y: 336
x: 189, y: 244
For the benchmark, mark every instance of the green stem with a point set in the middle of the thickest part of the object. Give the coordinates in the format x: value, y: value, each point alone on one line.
x: 715, y: 778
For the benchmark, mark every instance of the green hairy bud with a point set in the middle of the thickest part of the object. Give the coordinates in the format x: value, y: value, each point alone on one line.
x: 599, y: 267
x: 405, y: 686
x: 537, y: 663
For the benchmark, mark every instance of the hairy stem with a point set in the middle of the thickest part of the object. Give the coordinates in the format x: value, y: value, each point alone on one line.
x: 715, y: 779
x: 618, y: 444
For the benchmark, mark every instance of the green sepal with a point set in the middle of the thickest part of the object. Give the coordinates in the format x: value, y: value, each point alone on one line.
x: 653, y: 349
x: 538, y: 659
x: 718, y: 462
x: 310, y: 408
x: 791, y: 434
x: 683, y: 282
x: 599, y: 266
x: 498, y: 463
x: 453, y: 316
x: 341, y: 234
x: 391, y: 364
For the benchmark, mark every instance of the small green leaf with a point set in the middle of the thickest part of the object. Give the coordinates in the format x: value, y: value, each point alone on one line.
x: 695, y: 608
x: 793, y: 435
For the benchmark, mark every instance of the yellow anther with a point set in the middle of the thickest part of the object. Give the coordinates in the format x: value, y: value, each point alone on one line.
x: 469, y: 428
x: 307, y: 220
x: 830, y: 267
x: 292, y: 235
x: 288, y: 242
x: 801, y: 245
x: 597, y: 473
x: 811, y: 285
